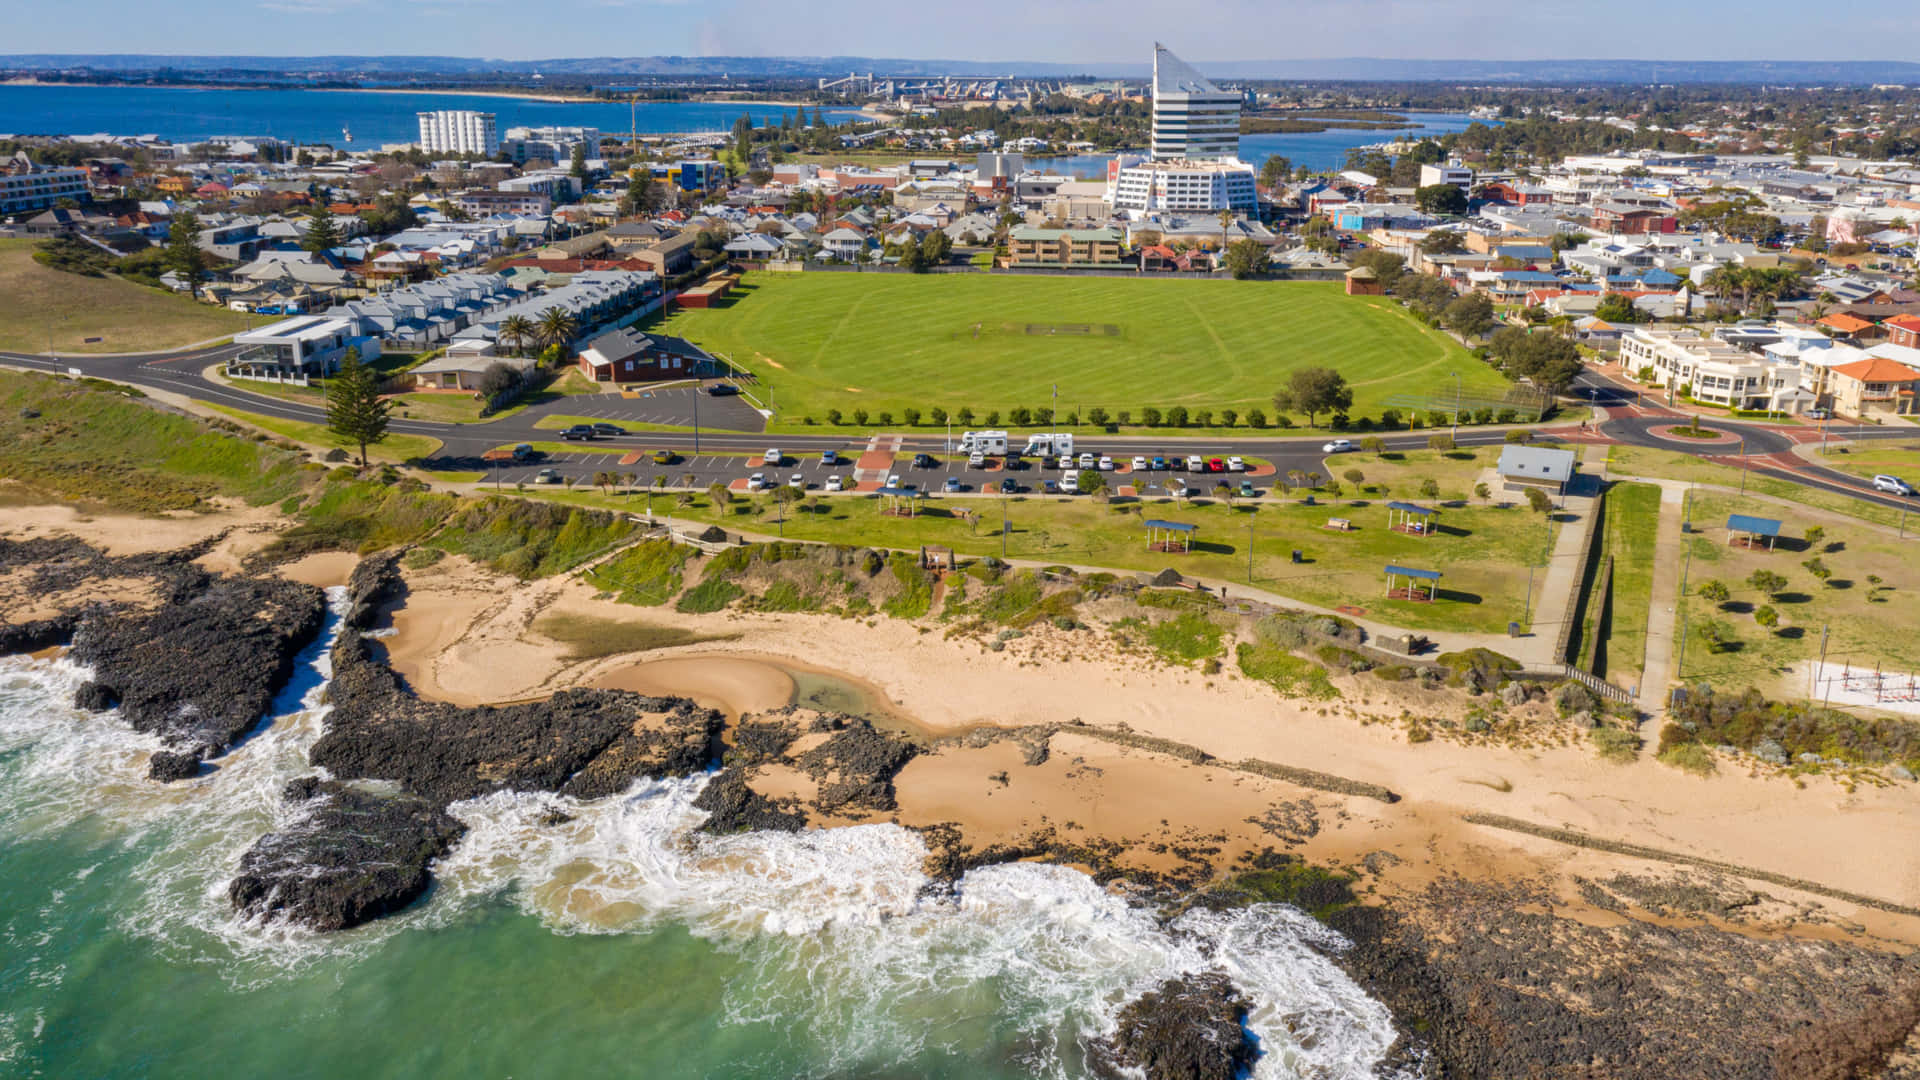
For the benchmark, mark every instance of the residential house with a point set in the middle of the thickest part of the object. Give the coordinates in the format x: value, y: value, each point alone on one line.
x: 1852, y: 328
x: 1903, y: 330
x: 844, y: 243
x: 483, y: 203
x: 1874, y: 387
x: 1614, y: 216
x: 464, y: 364
x: 1713, y: 371
x: 298, y: 348
x: 669, y: 256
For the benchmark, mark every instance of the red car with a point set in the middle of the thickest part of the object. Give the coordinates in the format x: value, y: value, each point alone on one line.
x: 1216, y: 465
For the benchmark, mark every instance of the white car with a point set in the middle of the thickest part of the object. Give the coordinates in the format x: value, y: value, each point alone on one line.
x: 757, y: 481
x: 1194, y: 464
x: 893, y: 481
x: 1106, y: 464
x: 1087, y: 461
x: 1234, y: 464
x: 1070, y: 483
x: 774, y: 457
x: 1892, y: 485
x: 834, y: 483
x: 976, y: 460
x: 798, y: 481
x: 1139, y: 464
x: 1337, y: 446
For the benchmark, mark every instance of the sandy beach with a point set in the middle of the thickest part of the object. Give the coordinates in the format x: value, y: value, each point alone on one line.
x: 464, y: 637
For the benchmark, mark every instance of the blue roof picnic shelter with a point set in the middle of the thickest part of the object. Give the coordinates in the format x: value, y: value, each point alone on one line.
x: 1408, y: 518
x: 900, y: 501
x: 1174, y: 536
x: 1414, y: 589
x: 1747, y: 530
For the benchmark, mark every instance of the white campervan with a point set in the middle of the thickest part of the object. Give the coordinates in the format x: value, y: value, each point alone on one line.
x: 1050, y: 444
x: 983, y: 442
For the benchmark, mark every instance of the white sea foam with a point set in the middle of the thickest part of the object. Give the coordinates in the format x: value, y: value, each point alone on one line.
x: 843, y: 947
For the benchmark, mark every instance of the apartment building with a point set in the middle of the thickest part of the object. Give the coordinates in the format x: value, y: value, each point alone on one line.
x: 26, y: 188
x: 1713, y: 371
x: 1193, y: 120
x: 1029, y: 246
x: 459, y: 131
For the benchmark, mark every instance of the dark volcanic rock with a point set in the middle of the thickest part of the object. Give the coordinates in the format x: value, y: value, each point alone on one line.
x: 375, y: 586
x: 356, y: 856
x: 202, y: 669
x: 1190, y: 1028
x: 855, y: 767
x: 585, y: 743
x: 94, y: 697
x: 732, y: 806
x: 167, y: 766
x: 36, y: 635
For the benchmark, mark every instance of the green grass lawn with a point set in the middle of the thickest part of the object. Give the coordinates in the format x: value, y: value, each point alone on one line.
x: 446, y: 408
x: 1632, y: 518
x: 1867, y: 459
x: 1868, y: 622
x: 888, y: 342
x: 96, y: 442
x: 1673, y: 465
x: 36, y: 300
x: 397, y: 448
x: 562, y: 421
x: 1482, y: 551
x: 1403, y: 472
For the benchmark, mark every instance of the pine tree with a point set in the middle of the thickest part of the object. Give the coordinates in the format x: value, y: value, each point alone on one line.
x: 355, y: 410
x: 579, y: 162
x: 322, y: 234
x: 184, y: 256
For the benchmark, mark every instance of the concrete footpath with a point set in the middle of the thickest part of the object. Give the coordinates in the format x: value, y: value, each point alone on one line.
x: 1663, y: 603
x: 1560, y: 592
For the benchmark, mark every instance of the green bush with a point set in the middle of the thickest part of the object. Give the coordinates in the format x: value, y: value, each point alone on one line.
x: 1688, y: 757
x: 1183, y: 639
x: 647, y: 574
x: 1291, y: 675
x: 915, y: 597
x: 1615, y: 745
x: 708, y: 596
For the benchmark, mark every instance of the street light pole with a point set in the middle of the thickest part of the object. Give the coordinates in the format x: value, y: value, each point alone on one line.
x: 1252, y: 512
x: 1743, y: 464
x: 1456, y: 404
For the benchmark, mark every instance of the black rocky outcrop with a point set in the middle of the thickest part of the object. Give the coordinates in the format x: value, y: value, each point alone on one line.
x: 855, y: 766
x: 585, y: 743
x: 37, y: 634
x: 202, y: 668
x: 733, y: 806
x: 374, y: 586
x: 356, y: 855
x: 1189, y: 1028
x: 167, y: 766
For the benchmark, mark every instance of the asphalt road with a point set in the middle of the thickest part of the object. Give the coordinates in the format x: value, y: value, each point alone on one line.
x: 732, y: 448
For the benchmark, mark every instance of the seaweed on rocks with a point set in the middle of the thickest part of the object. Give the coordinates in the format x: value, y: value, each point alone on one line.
x: 201, y: 668
x: 584, y: 743
x: 1188, y: 1028
x: 356, y: 855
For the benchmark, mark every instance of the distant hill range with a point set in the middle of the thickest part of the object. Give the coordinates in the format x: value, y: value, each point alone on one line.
x: 1518, y: 72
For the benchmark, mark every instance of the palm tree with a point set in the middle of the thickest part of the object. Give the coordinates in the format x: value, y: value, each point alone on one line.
x: 557, y: 326
x: 518, y: 329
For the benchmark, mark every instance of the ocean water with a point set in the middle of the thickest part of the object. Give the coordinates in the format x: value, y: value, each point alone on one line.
x: 1316, y: 150
x: 622, y: 943
x: 185, y: 113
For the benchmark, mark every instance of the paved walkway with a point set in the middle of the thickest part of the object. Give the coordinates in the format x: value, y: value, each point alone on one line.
x: 1663, y: 603
x: 1558, y: 595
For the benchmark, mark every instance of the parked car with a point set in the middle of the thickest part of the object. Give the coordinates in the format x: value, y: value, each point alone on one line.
x: 1235, y: 464
x: 522, y: 451
x: 834, y: 483
x: 1892, y: 485
x: 829, y: 457
x: 581, y: 432
x: 893, y: 480
x: 1139, y: 464
x: 774, y: 457
x: 1070, y: 483
x: 923, y: 461
x: 722, y: 389
x: 547, y: 476
x: 1106, y: 463
x: 1008, y: 487
x: 757, y: 481
x: 1816, y: 414
x: 1337, y: 446
x: 665, y: 457
x: 609, y: 429
x: 1088, y: 461
x: 1159, y: 464
x: 797, y: 481
x: 1051, y: 487
x: 953, y: 484
x: 976, y: 461
x: 1194, y: 464
x: 1247, y: 490
x: 1216, y: 464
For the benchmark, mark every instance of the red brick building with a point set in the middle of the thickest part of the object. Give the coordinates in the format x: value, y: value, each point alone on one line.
x: 629, y: 355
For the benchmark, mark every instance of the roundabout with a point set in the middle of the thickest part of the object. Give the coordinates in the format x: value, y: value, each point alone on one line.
x: 1683, y: 433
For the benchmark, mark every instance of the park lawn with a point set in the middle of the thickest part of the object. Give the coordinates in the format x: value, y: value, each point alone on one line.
x: 440, y: 407
x: 1672, y: 465
x: 1402, y: 471
x: 402, y: 449
x: 1632, y: 519
x: 884, y: 343
x: 1862, y: 631
x: 1483, y: 552
x: 1869, y: 458
x: 127, y: 317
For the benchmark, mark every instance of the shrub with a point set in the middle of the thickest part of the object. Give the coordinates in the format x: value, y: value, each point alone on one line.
x: 1714, y: 591
x: 1373, y: 444
x: 1615, y: 745
x: 1339, y: 422
x: 708, y: 596
x: 1717, y: 636
x: 886, y: 419
x: 937, y: 414
x: 833, y: 417
x: 860, y: 417
x: 1815, y: 534
x: 1482, y: 491
x: 1355, y: 477
x: 1150, y: 416
x: 1519, y: 436
x: 1506, y: 416
x: 1440, y: 441
x: 1483, y: 416
x: 1256, y: 418
x: 1816, y: 566
x: 1124, y: 418
x: 993, y: 418
x: 1228, y: 417
x: 1282, y: 420
x: 1436, y: 418
x: 910, y: 417
x: 1767, y: 582
x: 1766, y: 616
x: 1390, y: 418
x: 1097, y: 416
x: 1688, y: 757
x: 1177, y: 416
x: 1020, y: 416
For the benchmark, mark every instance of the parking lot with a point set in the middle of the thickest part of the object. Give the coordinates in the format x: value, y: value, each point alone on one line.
x: 673, y: 406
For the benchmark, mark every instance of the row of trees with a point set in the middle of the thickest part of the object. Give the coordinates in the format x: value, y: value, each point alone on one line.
x: 1178, y: 416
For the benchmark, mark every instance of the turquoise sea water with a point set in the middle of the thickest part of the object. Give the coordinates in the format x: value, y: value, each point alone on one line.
x: 621, y: 943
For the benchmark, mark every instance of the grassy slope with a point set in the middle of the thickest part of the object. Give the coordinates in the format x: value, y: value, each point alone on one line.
x: 127, y: 317
x: 1483, y: 588
x: 93, y: 442
x: 1862, y: 632
x: 1673, y: 465
x: 1633, y: 519
x: 1869, y: 459
x: 397, y: 448
x: 890, y: 341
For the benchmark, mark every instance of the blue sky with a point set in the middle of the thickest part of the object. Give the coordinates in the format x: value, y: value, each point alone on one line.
x: 1078, y: 31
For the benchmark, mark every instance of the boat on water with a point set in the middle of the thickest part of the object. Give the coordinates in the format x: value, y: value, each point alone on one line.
x: 346, y: 133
